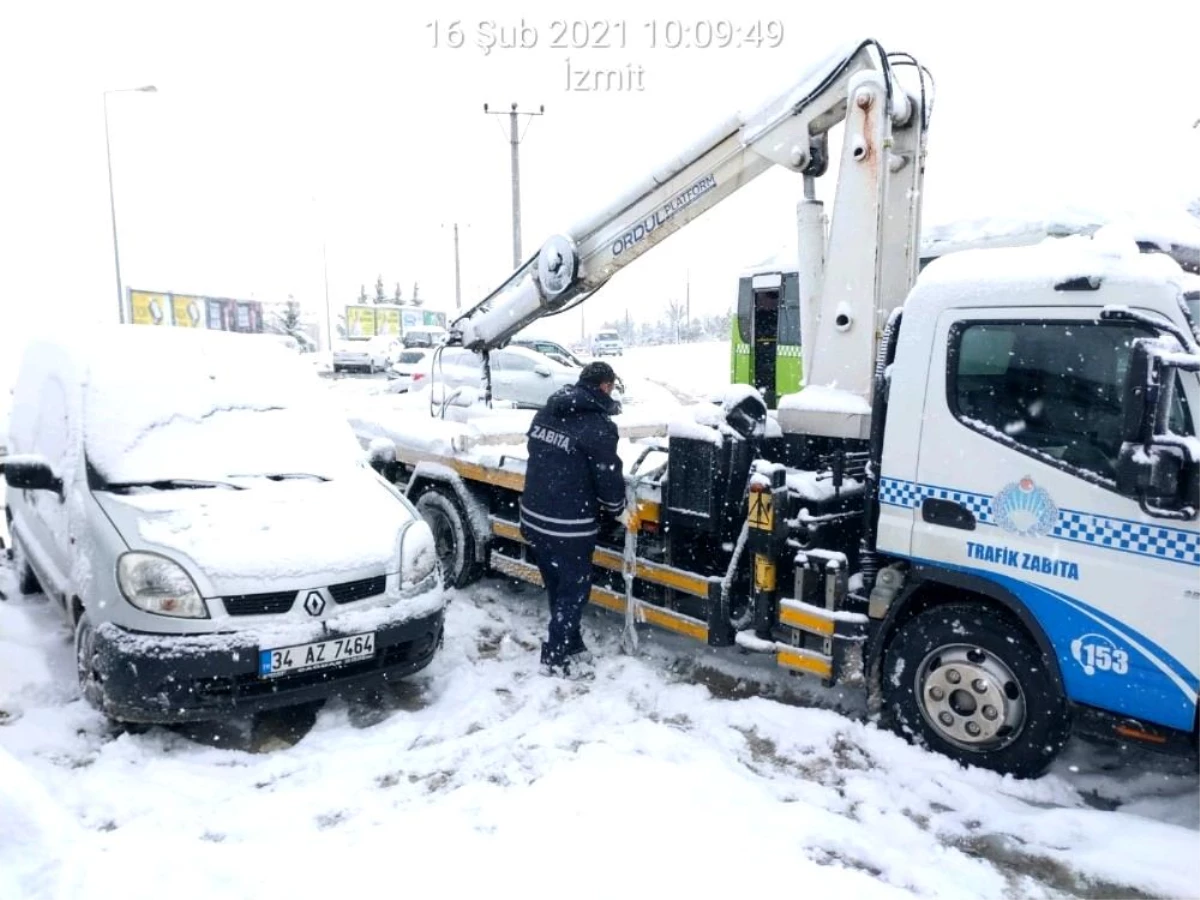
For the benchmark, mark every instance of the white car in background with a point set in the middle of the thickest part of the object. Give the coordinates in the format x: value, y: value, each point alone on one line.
x: 552, y: 349
x: 409, y: 363
x: 519, y: 376
x: 371, y: 355
x: 607, y: 343
x: 424, y: 336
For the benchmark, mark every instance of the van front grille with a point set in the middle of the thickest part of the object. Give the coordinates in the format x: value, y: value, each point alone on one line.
x: 350, y: 591
x: 260, y: 604
x: 282, y: 601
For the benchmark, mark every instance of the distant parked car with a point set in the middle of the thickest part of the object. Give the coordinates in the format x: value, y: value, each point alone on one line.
x: 213, y: 534
x: 424, y: 336
x: 520, y: 376
x: 607, y: 343
x: 371, y: 355
x: 400, y: 375
x: 552, y: 349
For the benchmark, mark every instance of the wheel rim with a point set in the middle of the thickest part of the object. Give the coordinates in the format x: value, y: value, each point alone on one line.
x: 970, y: 697
x: 85, y: 661
x: 443, y: 539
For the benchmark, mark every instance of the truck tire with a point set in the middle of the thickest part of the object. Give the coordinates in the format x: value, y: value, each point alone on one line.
x: 964, y: 680
x: 452, y: 536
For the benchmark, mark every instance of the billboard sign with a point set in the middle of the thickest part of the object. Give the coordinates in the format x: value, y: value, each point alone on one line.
x: 387, y: 321
x: 194, y: 311
x: 146, y: 308
x: 188, y: 312
x: 360, y: 322
x: 217, y: 318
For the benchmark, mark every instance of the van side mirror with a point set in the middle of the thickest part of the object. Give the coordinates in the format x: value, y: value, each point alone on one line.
x: 381, y: 454
x: 31, y: 473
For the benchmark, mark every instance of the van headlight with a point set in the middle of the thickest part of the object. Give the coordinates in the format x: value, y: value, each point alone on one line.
x: 158, y: 585
x: 418, y: 553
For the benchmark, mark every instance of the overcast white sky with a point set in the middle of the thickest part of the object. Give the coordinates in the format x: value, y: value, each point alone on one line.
x: 278, y: 127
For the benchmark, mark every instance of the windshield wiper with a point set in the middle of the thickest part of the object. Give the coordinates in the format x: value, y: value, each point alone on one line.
x: 283, y: 476
x: 168, y: 484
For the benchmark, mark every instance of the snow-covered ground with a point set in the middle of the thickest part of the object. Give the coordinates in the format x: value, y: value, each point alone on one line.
x: 680, y: 769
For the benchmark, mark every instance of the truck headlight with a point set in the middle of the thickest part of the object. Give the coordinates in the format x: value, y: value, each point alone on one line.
x: 418, y: 553
x: 158, y: 585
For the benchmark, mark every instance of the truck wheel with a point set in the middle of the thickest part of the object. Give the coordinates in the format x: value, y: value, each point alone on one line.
x: 452, y: 536
x: 965, y: 681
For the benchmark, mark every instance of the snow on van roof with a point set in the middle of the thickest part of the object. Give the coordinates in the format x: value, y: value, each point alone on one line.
x: 172, y: 403
x: 1111, y: 253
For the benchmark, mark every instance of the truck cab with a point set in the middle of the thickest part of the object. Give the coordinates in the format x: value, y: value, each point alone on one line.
x: 1016, y: 471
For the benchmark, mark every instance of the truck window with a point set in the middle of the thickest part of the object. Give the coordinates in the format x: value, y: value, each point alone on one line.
x: 1053, y: 390
x: 745, y: 311
x: 789, y: 316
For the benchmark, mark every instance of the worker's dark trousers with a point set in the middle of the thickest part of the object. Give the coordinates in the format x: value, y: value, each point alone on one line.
x: 566, y: 568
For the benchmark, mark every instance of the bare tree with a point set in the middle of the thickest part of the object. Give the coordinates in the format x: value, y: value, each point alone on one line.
x: 676, y: 311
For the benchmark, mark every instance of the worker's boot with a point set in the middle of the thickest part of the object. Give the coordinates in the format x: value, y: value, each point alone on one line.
x: 577, y: 650
x: 571, y: 668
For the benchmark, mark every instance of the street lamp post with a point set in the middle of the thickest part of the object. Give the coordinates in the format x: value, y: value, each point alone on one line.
x: 112, y: 205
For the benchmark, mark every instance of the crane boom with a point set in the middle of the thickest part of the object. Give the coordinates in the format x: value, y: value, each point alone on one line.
x: 872, y: 247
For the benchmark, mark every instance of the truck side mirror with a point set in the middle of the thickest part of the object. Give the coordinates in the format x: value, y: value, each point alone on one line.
x: 1157, y: 472
x: 1155, y: 466
x: 31, y: 473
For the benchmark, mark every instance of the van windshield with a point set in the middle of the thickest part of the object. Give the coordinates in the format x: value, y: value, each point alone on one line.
x: 176, y: 418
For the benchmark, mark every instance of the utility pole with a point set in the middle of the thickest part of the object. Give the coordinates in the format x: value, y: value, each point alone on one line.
x: 515, y: 142
x: 112, y: 203
x: 457, y: 275
x: 328, y: 313
x: 457, y: 264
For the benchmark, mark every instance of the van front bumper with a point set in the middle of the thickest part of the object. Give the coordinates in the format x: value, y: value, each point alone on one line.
x: 164, y: 679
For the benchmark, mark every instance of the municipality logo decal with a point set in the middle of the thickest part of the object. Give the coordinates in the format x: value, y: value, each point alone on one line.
x: 1025, y: 509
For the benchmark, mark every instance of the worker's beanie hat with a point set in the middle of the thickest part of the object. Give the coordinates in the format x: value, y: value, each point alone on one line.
x: 597, y: 373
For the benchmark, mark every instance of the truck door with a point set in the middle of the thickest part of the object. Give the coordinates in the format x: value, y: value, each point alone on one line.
x: 1016, y: 484
x: 767, y: 293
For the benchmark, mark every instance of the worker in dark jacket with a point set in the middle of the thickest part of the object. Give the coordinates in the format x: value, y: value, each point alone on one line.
x: 574, y: 486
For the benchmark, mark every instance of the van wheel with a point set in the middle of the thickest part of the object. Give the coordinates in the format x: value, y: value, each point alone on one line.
x: 965, y: 681
x: 90, y: 687
x: 452, y: 536
x: 27, y: 582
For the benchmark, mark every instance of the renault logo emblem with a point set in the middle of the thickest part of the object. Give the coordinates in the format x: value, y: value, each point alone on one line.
x: 314, y: 603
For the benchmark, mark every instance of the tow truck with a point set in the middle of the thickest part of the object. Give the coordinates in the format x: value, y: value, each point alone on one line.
x: 980, y: 507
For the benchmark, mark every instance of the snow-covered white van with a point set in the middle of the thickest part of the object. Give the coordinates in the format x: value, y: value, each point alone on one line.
x: 211, y: 527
